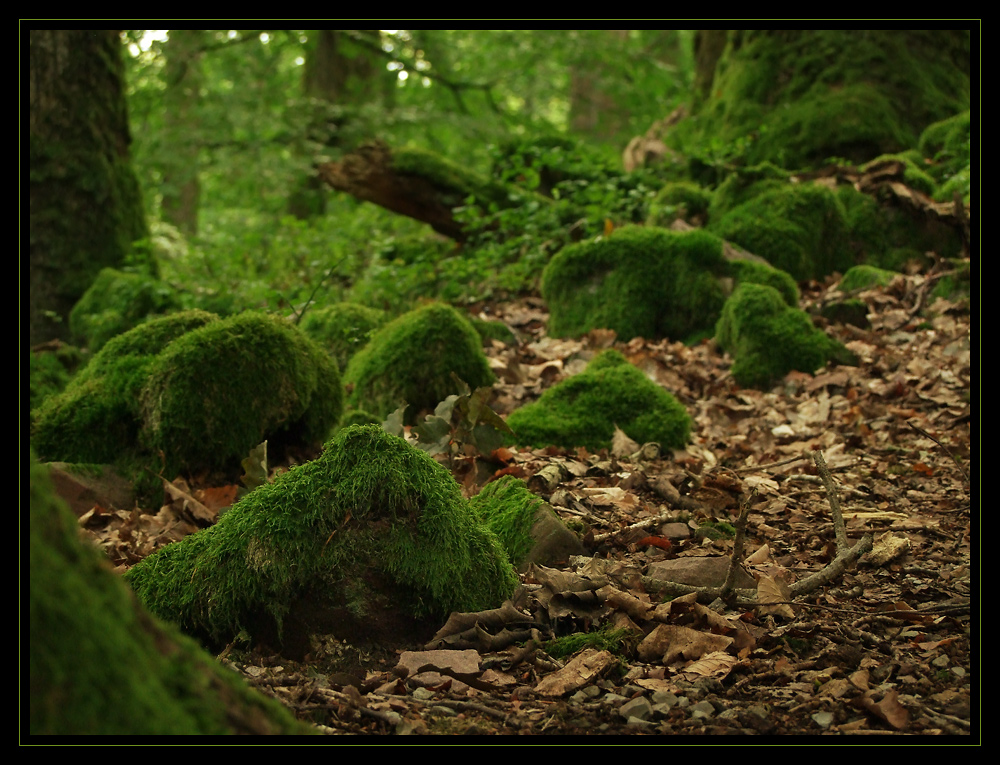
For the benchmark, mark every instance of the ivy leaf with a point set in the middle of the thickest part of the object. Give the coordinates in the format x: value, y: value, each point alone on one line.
x: 393, y: 424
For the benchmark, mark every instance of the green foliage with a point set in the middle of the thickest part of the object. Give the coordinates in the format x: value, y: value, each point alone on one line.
x: 116, y: 302
x: 461, y: 425
x: 49, y: 372
x: 767, y: 338
x: 584, y: 409
x: 412, y: 359
x: 370, y: 503
x: 640, y: 282
x: 682, y: 200
x: 218, y: 391
x: 341, y: 328
x: 159, y: 681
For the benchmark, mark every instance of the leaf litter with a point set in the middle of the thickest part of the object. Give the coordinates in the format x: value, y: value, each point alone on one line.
x: 846, y: 496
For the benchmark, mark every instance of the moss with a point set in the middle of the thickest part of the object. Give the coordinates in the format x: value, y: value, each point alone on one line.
x: 865, y: 277
x: 342, y: 328
x: 948, y: 144
x: 100, y: 664
x: 799, y: 228
x: 370, y: 505
x: 411, y: 360
x: 678, y: 200
x: 116, y: 302
x: 798, y: 97
x: 767, y: 338
x: 455, y: 182
x: 97, y: 417
x: 508, y: 509
x: 218, y: 391
x: 49, y: 372
x: 913, y: 175
x: 494, y: 330
x: 752, y: 272
x: 584, y: 409
x: 639, y: 281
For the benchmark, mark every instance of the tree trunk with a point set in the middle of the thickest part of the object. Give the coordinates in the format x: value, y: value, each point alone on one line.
x: 85, y: 207
x: 181, y: 189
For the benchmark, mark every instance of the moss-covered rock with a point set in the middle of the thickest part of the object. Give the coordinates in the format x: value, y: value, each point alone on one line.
x: 584, y: 409
x: 798, y: 228
x: 767, y: 338
x: 342, y: 328
x: 947, y: 143
x: 99, y: 664
x: 682, y: 200
x: 116, y: 302
x: 50, y: 370
x: 411, y: 360
x: 865, y: 277
x: 96, y: 418
x: 216, y: 392
x: 373, y: 524
x: 639, y: 281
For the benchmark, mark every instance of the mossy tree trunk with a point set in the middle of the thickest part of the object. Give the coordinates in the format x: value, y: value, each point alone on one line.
x: 85, y: 206
x: 100, y: 664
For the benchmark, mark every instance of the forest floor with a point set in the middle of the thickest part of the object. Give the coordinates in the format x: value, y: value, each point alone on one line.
x: 882, y: 647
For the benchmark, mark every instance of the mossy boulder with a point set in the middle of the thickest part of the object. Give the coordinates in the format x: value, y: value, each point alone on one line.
x: 216, y: 392
x: 99, y: 664
x: 798, y: 228
x: 96, y: 418
x: 50, y: 369
x: 411, y: 361
x: 768, y: 338
x: 643, y: 281
x: 116, y: 302
x: 200, y: 389
x: 683, y: 200
x: 639, y: 281
x: 342, y: 328
x: 583, y: 410
x: 865, y: 277
x: 372, y: 525
x: 947, y: 144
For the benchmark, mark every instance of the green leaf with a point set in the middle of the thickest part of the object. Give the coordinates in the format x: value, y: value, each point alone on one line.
x: 255, y: 467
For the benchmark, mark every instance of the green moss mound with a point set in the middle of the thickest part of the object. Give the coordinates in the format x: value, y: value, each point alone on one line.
x: 767, y: 338
x: 682, y: 200
x: 508, y: 509
x: 369, y: 507
x: 639, y: 281
x: 798, y: 228
x: 342, y: 328
x: 584, y: 409
x: 865, y: 277
x: 411, y: 360
x: 218, y: 391
x: 116, y: 302
x: 96, y: 418
x: 948, y: 144
x: 99, y: 664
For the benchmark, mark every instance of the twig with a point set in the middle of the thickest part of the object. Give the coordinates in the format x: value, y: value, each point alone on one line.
x: 954, y: 459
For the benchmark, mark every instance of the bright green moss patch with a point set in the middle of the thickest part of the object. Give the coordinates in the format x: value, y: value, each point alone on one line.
x: 767, y: 338
x: 116, y: 302
x: 639, y: 281
x: 97, y: 418
x: 508, y: 508
x: 865, y: 277
x: 372, y: 522
x: 342, y: 328
x: 218, y: 391
x: 99, y: 664
x: 411, y: 360
x: 584, y: 409
x: 682, y: 200
x: 798, y: 228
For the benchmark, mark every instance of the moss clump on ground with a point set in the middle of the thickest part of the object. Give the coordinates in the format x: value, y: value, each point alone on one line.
x: 199, y: 389
x: 50, y: 370
x: 767, y: 338
x: 640, y: 282
x: 411, y: 360
x: 116, y: 302
x: 97, y: 417
x: 100, y: 664
x: 218, y: 391
x: 948, y: 144
x: 508, y: 508
x: 865, y: 277
x: 798, y: 228
x: 342, y: 328
x: 373, y: 522
x: 584, y: 409
x: 682, y: 200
